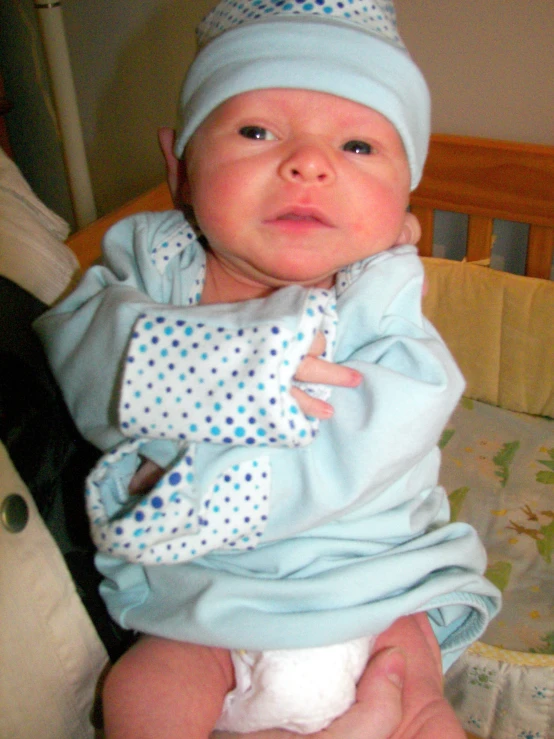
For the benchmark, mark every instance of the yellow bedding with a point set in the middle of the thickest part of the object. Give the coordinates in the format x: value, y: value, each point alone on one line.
x: 498, y: 470
x: 500, y: 328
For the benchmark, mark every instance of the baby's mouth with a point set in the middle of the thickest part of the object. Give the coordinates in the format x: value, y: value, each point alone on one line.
x: 308, y: 216
x: 297, y: 217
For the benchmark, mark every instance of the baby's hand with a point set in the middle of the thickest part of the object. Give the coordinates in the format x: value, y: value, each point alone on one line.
x: 313, y: 369
x: 145, y: 478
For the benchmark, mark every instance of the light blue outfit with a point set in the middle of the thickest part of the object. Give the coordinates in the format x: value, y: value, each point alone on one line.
x: 269, y: 530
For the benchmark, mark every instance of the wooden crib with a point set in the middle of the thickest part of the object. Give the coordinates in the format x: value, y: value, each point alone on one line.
x: 489, y: 179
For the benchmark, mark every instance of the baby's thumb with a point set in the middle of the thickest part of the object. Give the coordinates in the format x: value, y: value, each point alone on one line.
x: 380, y: 692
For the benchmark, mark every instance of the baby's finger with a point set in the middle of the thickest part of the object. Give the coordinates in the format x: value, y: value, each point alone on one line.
x: 145, y: 478
x: 311, y: 406
x: 318, y: 345
x: 320, y: 371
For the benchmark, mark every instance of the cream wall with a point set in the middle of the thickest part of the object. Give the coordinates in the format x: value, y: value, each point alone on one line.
x: 489, y: 64
x: 31, y: 122
x: 128, y: 60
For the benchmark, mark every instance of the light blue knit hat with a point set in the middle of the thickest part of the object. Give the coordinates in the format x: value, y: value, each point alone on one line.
x: 349, y: 48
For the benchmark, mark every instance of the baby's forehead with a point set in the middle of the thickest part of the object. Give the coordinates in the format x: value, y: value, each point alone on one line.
x: 302, y: 103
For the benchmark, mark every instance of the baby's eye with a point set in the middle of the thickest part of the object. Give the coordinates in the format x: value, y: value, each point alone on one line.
x: 259, y: 133
x: 357, y: 147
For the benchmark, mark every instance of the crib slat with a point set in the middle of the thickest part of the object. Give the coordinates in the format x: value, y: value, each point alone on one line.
x: 540, y: 250
x: 426, y: 218
x: 492, y: 179
x: 479, y: 238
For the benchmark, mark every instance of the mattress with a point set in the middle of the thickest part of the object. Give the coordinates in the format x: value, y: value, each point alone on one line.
x: 498, y: 470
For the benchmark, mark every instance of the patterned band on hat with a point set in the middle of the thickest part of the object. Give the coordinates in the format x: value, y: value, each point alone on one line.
x: 378, y: 18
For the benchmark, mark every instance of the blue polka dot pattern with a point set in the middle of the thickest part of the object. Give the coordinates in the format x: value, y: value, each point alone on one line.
x: 169, y: 524
x: 349, y: 274
x: 377, y: 17
x: 210, y: 383
x: 174, y: 244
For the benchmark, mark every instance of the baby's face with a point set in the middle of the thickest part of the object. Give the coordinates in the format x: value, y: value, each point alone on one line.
x: 289, y: 186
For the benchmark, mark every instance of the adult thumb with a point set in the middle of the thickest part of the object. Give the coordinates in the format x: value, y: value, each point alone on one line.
x: 379, y: 695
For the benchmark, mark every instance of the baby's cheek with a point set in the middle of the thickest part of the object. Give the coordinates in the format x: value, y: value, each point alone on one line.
x: 215, y: 222
x: 379, y: 227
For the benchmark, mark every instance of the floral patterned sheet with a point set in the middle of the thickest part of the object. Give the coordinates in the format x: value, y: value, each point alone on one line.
x: 498, y: 470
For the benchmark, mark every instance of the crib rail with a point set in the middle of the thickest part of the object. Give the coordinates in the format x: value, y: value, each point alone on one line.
x: 488, y: 179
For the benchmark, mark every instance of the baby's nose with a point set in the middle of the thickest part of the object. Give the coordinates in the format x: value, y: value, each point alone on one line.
x: 308, y: 163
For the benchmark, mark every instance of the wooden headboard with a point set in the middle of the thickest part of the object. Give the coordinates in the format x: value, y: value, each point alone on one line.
x: 87, y: 242
x: 483, y: 178
x: 489, y: 179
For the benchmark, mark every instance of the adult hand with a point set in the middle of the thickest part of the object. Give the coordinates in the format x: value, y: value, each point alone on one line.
x: 400, y: 694
x: 426, y: 714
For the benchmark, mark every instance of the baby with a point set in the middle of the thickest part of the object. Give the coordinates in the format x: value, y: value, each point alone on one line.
x: 267, y: 389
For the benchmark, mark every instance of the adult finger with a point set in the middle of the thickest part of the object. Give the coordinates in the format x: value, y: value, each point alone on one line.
x: 377, y: 712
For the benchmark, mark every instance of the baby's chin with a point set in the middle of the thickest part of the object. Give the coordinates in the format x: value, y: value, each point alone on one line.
x: 282, y: 274
x: 257, y: 279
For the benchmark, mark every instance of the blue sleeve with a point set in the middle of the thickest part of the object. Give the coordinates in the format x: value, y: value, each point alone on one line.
x: 381, y: 431
x: 85, y: 337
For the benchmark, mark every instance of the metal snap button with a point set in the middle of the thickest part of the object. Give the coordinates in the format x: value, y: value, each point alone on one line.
x: 14, y: 513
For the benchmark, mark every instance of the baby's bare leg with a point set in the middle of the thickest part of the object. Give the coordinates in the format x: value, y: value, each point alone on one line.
x: 166, y: 689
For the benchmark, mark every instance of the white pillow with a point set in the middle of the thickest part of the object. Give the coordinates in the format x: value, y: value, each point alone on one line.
x: 50, y: 653
x: 32, y: 249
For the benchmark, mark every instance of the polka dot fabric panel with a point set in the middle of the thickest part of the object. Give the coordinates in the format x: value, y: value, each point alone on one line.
x: 170, y: 524
x: 213, y: 383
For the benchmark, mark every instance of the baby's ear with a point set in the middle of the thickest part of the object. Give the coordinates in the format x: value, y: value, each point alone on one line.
x: 411, y: 231
x: 175, y: 168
